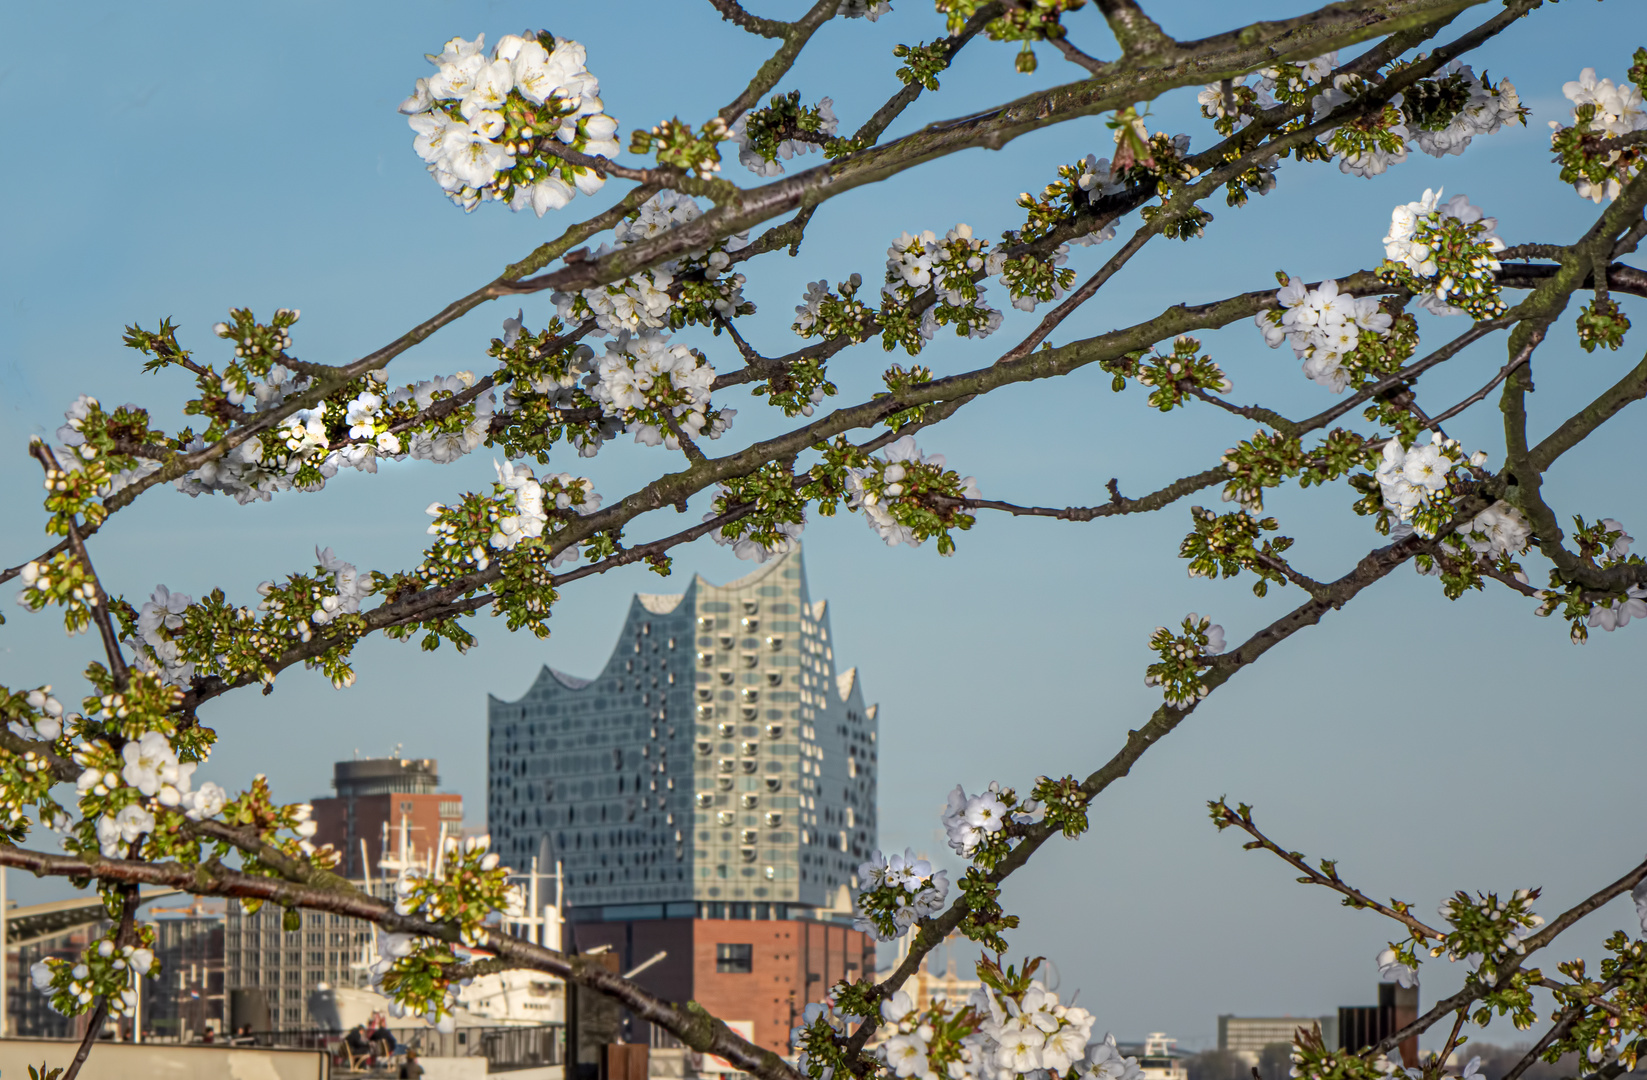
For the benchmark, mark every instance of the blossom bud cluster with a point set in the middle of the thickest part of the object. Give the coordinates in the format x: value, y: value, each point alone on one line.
x: 778, y: 519
x: 1485, y: 926
x: 893, y: 492
x: 895, y: 892
x: 61, y: 580
x: 1602, y: 112
x: 1325, y: 329
x: 1182, y: 656
x: 1446, y: 253
x: 1603, y: 545
x: 1228, y: 544
x: 103, y: 970
x: 818, y: 1040
x: 488, y: 127
x: 468, y: 885
x: 784, y: 129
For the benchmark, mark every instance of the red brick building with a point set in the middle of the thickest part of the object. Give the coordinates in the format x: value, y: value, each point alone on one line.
x: 750, y: 966
x: 380, y: 803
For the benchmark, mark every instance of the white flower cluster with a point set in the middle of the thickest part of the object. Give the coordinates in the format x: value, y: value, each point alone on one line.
x: 443, y: 447
x: 840, y: 1023
x: 1411, y: 229
x: 642, y: 301
x: 1098, y: 180
x: 151, y: 766
x: 902, y: 889
x: 469, y: 116
x: 49, y: 725
x: 898, y: 457
x: 1611, y: 613
x: 153, y: 649
x: 746, y: 548
x: 1411, y: 477
x: 352, y: 587
x: 642, y: 377
x: 971, y: 819
x: 1500, y: 529
x: 1618, y: 111
x: 1037, y: 1032
x: 1323, y: 326
x: 788, y: 148
x: 1488, y: 109
x: 392, y: 947
x: 1391, y: 969
x: 138, y: 959
x: 917, y: 261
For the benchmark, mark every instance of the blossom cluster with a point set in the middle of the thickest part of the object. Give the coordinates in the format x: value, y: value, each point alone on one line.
x: 1603, y: 111
x: 489, y: 127
x: 1324, y: 327
x: 782, y: 130
x: 1182, y: 657
x: 895, y: 892
x: 643, y: 301
x: 1604, y: 545
x: 1417, y: 481
x: 894, y: 493
x: 104, y: 969
x: 659, y: 391
x: 1446, y: 253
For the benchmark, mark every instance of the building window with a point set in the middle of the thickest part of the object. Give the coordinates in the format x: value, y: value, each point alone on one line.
x: 734, y: 959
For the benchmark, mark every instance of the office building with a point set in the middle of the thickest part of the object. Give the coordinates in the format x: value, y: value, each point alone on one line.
x: 708, y: 795
x: 1361, y: 1026
x: 1246, y: 1036
x: 377, y: 800
x: 186, y: 997
x: 271, y: 972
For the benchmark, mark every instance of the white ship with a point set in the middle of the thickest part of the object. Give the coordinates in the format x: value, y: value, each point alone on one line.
x: 501, y: 999
x: 1159, y: 1061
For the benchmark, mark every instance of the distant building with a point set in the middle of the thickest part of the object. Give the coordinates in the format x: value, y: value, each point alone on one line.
x: 719, y: 756
x: 268, y: 967
x: 1246, y: 1036
x: 187, y: 996
x: 708, y: 795
x: 377, y: 800
x: 1361, y: 1026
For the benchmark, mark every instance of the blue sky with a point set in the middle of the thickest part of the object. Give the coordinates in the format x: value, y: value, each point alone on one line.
x: 177, y: 159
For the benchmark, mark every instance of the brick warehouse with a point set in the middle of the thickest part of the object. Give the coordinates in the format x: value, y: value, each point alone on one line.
x: 708, y: 795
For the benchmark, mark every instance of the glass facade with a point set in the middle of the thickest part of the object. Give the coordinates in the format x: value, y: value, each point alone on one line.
x: 720, y: 756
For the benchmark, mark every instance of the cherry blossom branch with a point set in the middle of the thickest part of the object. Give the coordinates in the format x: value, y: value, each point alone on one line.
x: 1224, y: 55
x: 934, y: 931
x: 1326, y: 876
x: 795, y: 37
x: 905, y: 97
x: 98, y: 603
x: 1116, y: 506
x: 130, y: 901
x: 1507, y: 971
